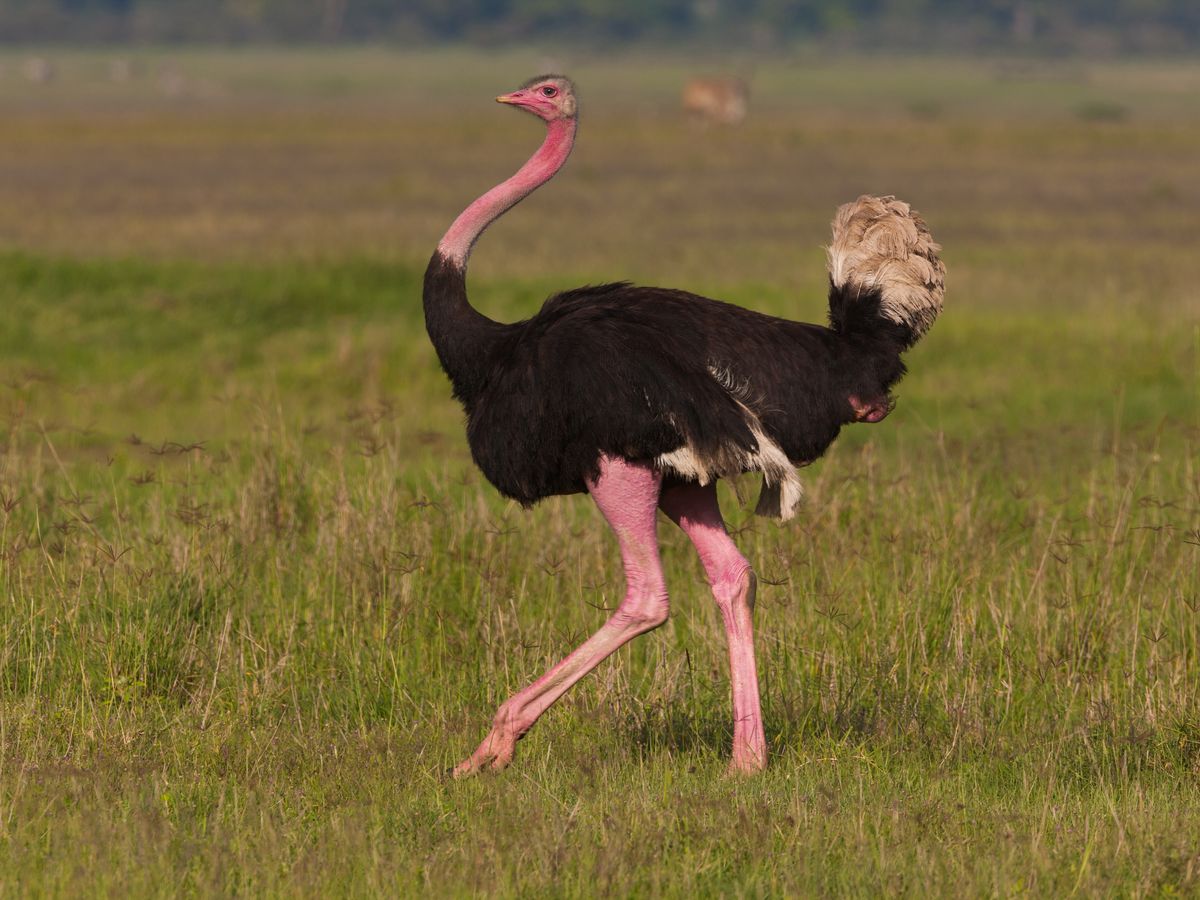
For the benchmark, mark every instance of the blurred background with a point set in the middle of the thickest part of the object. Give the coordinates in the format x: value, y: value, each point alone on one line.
x: 1153, y: 26
x: 726, y: 131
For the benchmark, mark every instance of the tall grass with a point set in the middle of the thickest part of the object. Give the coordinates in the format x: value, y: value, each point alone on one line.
x: 241, y: 647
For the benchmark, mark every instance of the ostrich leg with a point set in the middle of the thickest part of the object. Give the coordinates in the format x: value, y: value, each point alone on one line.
x: 627, y: 494
x: 694, y: 509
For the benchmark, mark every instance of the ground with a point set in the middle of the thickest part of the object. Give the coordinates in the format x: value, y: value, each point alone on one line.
x: 257, y: 600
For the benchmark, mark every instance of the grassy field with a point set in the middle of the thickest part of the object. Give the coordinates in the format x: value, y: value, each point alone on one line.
x: 257, y: 600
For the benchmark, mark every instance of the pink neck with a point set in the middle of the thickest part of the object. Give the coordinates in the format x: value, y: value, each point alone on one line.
x: 457, y: 242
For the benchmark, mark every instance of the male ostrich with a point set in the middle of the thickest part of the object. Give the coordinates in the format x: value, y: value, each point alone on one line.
x: 644, y: 397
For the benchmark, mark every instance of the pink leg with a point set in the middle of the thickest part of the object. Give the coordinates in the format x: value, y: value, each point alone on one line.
x: 627, y: 494
x: 694, y: 509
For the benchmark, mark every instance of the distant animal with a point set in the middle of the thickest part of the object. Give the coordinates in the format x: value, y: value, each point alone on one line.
x: 724, y: 101
x: 120, y: 70
x: 39, y: 70
x: 644, y: 397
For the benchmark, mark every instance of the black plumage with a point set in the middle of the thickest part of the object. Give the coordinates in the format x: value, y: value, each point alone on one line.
x: 640, y: 372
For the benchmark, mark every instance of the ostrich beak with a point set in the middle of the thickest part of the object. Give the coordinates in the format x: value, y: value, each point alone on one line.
x: 513, y: 99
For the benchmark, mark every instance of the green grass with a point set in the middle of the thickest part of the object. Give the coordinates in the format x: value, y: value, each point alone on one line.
x: 257, y: 600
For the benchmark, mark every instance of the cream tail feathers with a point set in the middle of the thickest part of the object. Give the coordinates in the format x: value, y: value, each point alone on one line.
x: 882, y: 243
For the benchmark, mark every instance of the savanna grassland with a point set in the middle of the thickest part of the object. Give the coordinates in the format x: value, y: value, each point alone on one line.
x: 256, y: 599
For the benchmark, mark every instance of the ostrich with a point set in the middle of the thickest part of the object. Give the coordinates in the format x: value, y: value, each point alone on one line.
x: 644, y: 397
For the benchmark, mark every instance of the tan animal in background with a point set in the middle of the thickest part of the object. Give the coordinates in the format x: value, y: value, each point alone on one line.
x: 38, y: 70
x: 720, y: 100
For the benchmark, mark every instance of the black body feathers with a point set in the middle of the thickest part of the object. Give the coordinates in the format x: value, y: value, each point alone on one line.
x: 700, y: 388
x: 645, y: 373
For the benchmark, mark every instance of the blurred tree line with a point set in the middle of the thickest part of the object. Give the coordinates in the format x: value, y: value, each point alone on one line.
x: 1097, y: 25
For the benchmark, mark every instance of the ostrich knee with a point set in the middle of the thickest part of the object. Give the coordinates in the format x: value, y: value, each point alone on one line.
x: 735, y: 587
x: 642, y: 610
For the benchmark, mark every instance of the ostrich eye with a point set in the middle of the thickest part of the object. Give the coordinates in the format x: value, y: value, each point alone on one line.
x: 549, y: 91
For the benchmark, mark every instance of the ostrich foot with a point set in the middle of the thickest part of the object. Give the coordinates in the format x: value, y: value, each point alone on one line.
x: 495, y: 753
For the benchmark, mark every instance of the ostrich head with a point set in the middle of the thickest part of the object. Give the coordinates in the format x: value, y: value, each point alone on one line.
x: 548, y: 97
